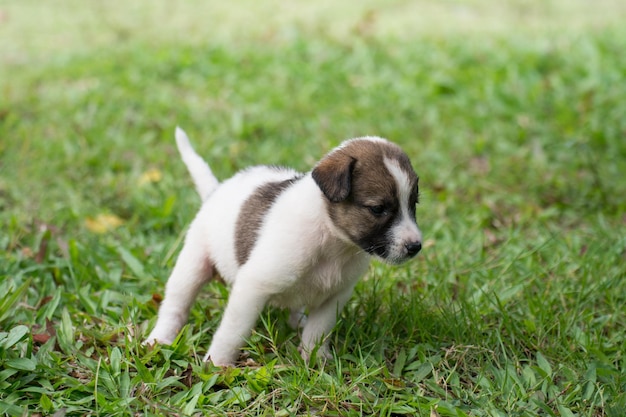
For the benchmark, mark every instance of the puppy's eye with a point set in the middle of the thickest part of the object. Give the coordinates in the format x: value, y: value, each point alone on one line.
x: 377, y: 210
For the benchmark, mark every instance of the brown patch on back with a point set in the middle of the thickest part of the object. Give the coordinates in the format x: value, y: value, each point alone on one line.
x: 252, y: 215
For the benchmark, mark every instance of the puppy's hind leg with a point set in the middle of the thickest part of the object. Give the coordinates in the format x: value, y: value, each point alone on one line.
x: 193, y: 269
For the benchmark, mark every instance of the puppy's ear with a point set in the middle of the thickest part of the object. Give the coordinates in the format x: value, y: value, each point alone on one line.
x: 333, y: 175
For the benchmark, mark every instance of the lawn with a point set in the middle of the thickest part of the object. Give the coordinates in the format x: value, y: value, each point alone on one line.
x: 513, y: 113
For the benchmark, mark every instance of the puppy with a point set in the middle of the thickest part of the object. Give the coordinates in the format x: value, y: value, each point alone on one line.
x: 298, y: 241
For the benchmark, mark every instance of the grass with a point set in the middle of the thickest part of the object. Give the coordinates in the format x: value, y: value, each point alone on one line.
x: 512, y: 115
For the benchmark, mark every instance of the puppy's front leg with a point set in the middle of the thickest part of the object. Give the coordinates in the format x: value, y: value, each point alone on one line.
x: 297, y: 318
x: 244, y: 307
x: 320, y: 322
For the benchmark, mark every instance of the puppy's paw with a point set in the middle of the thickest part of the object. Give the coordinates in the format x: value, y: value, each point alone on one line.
x: 221, y: 356
x: 322, y: 354
x: 156, y: 338
x: 221, y: 361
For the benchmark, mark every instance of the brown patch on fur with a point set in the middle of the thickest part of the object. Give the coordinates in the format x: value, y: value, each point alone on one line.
x: 354, y: 179
x: 252, y: 214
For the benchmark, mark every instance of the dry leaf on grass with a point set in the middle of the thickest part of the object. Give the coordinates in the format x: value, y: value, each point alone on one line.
x: 103, y: 223
x: 150, y: 176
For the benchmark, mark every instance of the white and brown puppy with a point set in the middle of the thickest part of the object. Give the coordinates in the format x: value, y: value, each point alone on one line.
x: 299, y: 241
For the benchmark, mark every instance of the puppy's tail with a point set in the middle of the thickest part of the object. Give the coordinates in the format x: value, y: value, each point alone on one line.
x: 201, y: 174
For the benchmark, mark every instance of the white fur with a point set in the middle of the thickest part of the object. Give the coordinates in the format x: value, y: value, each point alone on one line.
x: 299, y: 260
x: 406, y: 230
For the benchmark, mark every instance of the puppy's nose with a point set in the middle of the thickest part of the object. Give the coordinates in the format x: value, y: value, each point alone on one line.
x: 413, y: 248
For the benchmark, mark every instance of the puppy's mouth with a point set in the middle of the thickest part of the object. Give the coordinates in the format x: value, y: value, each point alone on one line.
x: 396, y: 254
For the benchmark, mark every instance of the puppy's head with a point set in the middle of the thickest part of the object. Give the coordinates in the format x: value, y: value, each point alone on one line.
x: 371, y: 191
